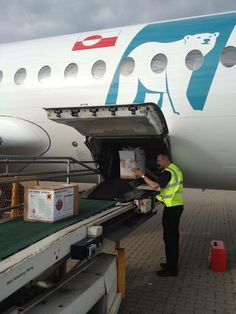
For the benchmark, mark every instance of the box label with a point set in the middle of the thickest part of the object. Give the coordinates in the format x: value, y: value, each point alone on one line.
x: 50, y: 205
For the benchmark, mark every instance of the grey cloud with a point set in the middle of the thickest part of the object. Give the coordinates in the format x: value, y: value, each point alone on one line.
x: 28, y: 19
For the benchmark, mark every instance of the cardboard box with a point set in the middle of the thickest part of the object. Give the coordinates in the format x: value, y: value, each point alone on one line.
x: 144, y: 205
x: 51, y: 203
x: 130, y: 159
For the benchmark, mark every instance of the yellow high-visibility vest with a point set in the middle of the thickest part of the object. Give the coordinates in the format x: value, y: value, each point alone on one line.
x: 172, y: 194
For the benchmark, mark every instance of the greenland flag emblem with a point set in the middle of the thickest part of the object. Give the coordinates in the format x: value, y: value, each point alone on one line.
x: 95, y: 41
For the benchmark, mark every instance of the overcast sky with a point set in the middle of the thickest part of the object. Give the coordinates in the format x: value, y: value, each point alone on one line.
x: 28, y: 19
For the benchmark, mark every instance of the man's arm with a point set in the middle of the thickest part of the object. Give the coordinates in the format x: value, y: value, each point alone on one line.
x: 154, y: 185
x: 151, y: 174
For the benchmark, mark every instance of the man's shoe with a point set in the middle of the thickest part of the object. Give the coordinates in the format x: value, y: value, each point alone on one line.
x: 167, y: 273
x: 163, y: 265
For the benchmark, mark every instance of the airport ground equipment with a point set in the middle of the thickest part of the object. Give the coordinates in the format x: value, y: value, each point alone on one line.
x: 93, y: 288
x: 31, y: 249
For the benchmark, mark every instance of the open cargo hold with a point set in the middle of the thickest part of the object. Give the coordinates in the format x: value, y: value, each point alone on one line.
x: 110, y: 129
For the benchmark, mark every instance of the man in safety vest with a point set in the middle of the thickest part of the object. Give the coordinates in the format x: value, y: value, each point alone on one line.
x: 170, y: 183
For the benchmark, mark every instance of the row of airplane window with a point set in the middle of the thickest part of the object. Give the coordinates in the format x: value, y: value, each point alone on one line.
x: 193, y: 61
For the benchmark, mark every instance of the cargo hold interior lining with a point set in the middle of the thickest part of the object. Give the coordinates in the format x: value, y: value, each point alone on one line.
x: 106, y: 152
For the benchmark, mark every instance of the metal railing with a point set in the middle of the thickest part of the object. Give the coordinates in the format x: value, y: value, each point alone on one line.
x: 68, y: 161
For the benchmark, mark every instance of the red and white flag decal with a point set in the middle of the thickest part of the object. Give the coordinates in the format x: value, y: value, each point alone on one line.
x: 96, y: 41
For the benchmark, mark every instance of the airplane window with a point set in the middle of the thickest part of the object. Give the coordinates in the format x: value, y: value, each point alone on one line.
x: 44, y: 74
x: 99, y: 69
x: 71, y: 71
x: 194, y: 60
x: 159, y: 63
x: 20, y: 76
x: 228, y: 56
x: 127, y: 66
x: 1, y: 76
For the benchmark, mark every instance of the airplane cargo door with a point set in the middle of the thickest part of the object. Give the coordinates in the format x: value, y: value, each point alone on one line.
x: 108, y: 129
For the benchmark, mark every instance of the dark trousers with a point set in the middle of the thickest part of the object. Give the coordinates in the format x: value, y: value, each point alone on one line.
x: 170, y: 221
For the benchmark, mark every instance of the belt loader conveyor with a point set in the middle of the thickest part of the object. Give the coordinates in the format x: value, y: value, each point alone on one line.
x: 29, y: 262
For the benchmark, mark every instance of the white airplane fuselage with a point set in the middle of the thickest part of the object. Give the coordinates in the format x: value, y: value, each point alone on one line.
x: 197, y: 99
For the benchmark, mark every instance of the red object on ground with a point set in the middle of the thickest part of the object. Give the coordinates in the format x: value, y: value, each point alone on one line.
x: 217, y: 256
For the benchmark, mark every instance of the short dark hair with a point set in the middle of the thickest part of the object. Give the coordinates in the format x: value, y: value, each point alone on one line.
x: 166, y: 154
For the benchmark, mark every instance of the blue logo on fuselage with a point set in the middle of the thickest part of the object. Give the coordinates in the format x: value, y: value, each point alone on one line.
x: 169, y: 32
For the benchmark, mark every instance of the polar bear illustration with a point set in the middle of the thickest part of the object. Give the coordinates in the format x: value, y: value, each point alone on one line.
x: 168, y: 87
x: 201, y: 39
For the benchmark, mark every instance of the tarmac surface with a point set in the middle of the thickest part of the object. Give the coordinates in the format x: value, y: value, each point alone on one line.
x: 208, y: 215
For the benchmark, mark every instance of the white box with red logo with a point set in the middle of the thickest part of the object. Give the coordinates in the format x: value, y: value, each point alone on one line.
x: 130, y: 159
x: 144, y: 205
x: 50, y: 203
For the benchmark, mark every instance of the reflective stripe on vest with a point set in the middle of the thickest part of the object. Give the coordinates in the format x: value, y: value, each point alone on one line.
x: 172, y: 194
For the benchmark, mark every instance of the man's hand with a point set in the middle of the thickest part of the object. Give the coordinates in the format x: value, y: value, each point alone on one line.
x: 137, y: 172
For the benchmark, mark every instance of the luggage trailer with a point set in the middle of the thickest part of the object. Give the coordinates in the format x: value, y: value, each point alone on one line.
x: 106, y: 129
